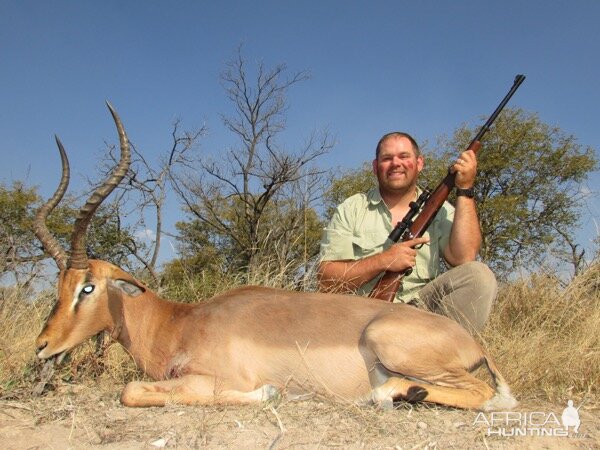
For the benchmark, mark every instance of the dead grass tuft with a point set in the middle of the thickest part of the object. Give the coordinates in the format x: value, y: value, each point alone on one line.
x: 544, y: 337
x: 21, y: 316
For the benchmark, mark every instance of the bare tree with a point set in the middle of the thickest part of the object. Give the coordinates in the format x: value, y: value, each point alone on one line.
x: 145, y: 189
x: 236, y: 193
x: 570, y: 252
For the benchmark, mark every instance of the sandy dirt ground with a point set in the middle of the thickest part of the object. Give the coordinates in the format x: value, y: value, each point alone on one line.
x: 87, y: 417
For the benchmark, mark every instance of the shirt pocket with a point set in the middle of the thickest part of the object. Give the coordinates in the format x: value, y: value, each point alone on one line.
x: 368, y: 244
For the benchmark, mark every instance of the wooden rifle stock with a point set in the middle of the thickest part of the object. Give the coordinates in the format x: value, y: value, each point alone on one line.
x: 390, y: 282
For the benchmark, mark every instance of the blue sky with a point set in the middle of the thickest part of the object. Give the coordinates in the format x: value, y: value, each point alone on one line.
x: 424, y: 67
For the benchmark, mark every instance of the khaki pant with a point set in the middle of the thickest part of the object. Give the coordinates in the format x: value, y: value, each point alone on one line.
x: 465, y: 293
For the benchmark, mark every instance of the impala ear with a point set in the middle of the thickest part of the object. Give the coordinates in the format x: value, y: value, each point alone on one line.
x: 130, y: 287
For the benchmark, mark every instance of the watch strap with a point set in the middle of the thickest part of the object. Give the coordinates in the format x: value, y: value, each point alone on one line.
x: 470, y: 192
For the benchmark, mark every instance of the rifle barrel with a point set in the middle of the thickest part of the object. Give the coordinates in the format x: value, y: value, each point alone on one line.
x: 518, y: 80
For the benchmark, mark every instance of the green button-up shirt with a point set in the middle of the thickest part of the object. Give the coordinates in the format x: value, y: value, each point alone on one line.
x: 360, y: 227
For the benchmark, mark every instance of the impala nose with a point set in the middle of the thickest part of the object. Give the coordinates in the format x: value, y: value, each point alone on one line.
x: 41, y: 346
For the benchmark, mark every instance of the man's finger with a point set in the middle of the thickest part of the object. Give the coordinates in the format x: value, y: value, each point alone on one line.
x: 416, y: 241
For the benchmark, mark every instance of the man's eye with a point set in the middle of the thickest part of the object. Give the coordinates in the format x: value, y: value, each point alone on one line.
x: 88, y: 289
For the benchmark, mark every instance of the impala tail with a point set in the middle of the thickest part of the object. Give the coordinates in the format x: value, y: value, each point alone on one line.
x: 503, y: 399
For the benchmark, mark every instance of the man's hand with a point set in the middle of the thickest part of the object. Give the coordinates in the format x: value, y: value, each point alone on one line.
x: 465, y: 169
x: 402, y: 255
x: 347, y: 276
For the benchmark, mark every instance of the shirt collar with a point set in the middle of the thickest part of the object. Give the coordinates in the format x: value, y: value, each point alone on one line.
x: 374, y: 196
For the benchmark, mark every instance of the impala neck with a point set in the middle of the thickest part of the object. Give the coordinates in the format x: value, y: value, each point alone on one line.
x: 149, y: 328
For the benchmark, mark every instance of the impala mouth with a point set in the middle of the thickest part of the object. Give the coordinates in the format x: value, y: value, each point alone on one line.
x: 55, y: 358
x: 58, y: 358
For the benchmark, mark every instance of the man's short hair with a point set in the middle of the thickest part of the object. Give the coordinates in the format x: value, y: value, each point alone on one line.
x: 414, y: 144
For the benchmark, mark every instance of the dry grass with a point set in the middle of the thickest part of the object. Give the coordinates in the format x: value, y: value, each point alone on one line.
x: 191, y: 286
x: 20, y: 319
x: 545, y: 338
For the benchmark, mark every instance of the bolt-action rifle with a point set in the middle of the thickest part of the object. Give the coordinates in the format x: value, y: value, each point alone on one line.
x: 426, y: 207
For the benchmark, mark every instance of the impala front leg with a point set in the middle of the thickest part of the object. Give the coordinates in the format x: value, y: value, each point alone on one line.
x: 191, y: 390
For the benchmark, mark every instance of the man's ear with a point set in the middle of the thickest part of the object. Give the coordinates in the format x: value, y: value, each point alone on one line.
x: 420, y: 163
x: 129, y: 287
x: 375, y: 167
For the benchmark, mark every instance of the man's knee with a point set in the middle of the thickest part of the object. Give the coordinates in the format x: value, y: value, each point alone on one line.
x: 481, y: 281
x: 469, y: 292
x: 479, y: 293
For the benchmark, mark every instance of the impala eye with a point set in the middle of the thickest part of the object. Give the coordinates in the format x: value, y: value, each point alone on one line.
x: 87, y: 290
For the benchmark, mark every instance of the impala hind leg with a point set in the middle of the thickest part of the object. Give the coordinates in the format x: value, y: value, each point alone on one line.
x: 433, y: 351
x: 190, y: 390
x: 472, y: 393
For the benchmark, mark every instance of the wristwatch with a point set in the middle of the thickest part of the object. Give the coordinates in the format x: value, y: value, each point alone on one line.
x: 470, y: 193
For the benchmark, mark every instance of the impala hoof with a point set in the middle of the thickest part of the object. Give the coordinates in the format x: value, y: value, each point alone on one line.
x: 269, y: 392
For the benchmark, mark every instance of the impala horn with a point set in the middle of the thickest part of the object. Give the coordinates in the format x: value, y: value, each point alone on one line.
x: 78, y: 259
x: 40, y: 229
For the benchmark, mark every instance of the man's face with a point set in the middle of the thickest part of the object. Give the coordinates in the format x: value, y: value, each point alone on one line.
x: 397, y: 166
